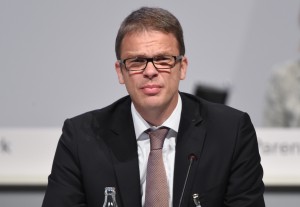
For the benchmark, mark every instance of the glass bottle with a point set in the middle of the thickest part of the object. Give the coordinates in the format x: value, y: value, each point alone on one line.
x: 110, y: 197
x: 196, y: 200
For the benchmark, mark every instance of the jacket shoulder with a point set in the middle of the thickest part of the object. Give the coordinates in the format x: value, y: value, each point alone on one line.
x: 210, y: 111
x: 104, y: 115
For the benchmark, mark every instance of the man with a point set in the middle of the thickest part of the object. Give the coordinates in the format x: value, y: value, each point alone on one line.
x: 210, y: 150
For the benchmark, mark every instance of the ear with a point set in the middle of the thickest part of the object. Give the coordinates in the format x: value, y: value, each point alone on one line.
x: 118, y: 69
x: 183, y: 68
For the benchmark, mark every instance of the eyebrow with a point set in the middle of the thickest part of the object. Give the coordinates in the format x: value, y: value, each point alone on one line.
x: 147, y: 56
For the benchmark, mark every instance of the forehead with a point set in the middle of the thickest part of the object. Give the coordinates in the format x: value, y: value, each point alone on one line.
x: 149, y: 41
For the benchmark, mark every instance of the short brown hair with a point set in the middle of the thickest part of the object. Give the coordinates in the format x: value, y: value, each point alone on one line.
x: 149, y: 18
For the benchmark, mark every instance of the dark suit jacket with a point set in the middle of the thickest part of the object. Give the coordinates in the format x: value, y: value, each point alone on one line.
x: 99, y: 149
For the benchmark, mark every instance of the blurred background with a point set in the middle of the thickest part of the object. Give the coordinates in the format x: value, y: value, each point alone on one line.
x: 57, y: 60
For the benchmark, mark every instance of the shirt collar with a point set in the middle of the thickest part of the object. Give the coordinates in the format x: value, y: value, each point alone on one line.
x: 140, y: 125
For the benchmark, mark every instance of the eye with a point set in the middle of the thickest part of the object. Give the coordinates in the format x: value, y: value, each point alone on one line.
x: 162, y: 59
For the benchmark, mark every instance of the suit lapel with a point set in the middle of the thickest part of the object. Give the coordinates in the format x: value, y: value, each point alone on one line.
x: 190, y: 140
x: 120, y: 139
x: 123, y: 147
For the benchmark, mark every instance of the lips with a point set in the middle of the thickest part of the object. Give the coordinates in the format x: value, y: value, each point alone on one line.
x: 151, y: 89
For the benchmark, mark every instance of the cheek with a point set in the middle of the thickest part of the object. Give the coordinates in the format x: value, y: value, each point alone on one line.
x: 130, y: 85
x: 180, y: 75
x: 172, y: 82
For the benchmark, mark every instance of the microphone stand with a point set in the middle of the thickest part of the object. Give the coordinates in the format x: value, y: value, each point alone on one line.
x: 191, y: 158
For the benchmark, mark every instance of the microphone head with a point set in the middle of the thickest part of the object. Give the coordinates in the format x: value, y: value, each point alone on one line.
x: 192, y: 156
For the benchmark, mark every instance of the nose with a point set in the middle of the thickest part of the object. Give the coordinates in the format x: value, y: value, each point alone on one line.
x: 150, y: 71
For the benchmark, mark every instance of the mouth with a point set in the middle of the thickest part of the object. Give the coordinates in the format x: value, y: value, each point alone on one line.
x: 151, y: 89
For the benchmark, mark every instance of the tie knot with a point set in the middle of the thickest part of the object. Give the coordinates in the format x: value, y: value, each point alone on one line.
x: 157, y: 138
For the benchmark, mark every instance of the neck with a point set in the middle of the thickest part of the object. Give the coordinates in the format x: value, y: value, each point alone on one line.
x: 156, y: 116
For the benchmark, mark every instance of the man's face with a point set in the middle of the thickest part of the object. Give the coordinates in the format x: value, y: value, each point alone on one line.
x: 151, y: 90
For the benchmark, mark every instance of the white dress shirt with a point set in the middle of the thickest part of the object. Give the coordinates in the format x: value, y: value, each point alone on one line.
x: 143, y: 142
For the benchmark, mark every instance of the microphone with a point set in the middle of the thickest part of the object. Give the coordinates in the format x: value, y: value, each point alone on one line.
x: 192, y: 157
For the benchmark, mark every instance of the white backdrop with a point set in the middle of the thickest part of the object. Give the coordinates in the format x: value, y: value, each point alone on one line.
x: 57, y: 57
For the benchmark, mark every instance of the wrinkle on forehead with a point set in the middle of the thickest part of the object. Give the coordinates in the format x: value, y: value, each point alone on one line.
x: 148, y: 46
